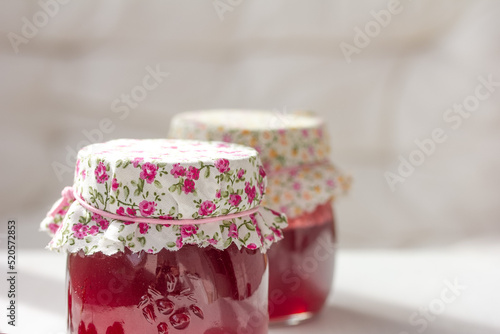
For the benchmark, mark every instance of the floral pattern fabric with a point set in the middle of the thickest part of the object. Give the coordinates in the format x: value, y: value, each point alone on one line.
x: 167, y: 180
x: 300, y: 191
x: 294, y: 149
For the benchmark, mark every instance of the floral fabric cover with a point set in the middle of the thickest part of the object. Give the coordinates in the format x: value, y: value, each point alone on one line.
x: 294, y: 149
x: 167, y: 180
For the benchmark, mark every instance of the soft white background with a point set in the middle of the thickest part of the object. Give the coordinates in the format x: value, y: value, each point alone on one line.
x: 272, y: 55
x: 278, y: 55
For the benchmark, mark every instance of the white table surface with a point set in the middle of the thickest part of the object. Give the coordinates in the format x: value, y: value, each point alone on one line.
x: 376, y: 291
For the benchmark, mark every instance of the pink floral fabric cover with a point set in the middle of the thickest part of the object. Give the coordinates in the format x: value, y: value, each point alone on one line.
x: 294, y: 148
x: 167, y: 180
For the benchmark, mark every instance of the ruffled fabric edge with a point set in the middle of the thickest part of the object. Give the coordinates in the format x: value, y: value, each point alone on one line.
x: 301, y: 191
x: 73, y: 228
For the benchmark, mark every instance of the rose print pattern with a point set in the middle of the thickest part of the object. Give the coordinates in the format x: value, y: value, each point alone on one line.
x: 148, y: 172
x: 294, y: 149
x: 206, y: 208
x: 53, y: 222
x: 147, y: 208
x: 233, y: 231
x: 235, y: 199
x: 101, y: 222
x: 114, y: 184
x: 80, y: 231
x: 178, y: 170
x: 120, y: 211
x: 53, y: 228
x: 147, y: 180
x: 100, y: 173
x: 143, y: 228
x: 193, y: 173
x: 188, y: 186
x: 222, y: 165
x: 250, y: 191
x: 298, y: 192
x: 188, y: 230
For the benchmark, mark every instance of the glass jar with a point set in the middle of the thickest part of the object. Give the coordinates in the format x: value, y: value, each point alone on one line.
x: 301, y: 276
x: 294, y: 148
x: 192, y: 290
x: 166, y: 236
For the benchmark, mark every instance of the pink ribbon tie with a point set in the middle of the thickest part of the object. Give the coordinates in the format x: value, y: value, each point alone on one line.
x: 113, y: 216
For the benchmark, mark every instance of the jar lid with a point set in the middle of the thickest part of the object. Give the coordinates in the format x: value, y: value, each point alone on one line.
x: 154, y: 194
x: 294, y: 149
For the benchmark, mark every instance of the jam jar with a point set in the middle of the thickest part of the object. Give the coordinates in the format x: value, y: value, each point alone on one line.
x: 294, y: 148
x: 166, y: 236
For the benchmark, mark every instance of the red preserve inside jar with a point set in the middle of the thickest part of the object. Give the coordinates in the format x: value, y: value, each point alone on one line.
x: 302, y: 264
x: 192, y: 290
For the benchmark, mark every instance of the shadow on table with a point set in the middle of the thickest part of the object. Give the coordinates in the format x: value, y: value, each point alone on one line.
x: 337, y: 319
x: 352, y: 314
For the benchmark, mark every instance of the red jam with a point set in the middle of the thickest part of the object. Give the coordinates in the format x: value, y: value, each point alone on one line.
x: 192, y: 290
x: 301, y: 267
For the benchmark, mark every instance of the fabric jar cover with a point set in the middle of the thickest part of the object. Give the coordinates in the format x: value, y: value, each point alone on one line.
x: 293, y: 147
x: 175, y: 182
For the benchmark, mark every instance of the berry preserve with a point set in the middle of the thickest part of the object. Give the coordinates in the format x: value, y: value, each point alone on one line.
x: 302, y: 272
x: 192, y: 290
